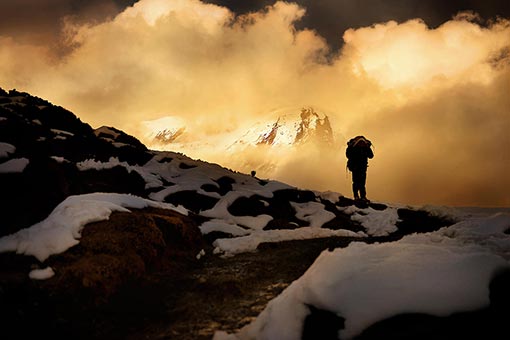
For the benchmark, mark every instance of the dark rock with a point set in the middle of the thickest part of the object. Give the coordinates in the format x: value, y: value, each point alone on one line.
x: 378, y: 206
x: 119, y: 136
x: 294, y: 195
x: 322, y: 324
x: 224, y: 185
x: 419, y: 221
x: 185, y: 166
x: 116, y: 179
x: 248, y: 206
x: 341, y: 220
x: 345, y: 202
x: 165, y: 160
x: 30, y: 196
x: 212, y: 236
x: 284, y: 215
x: 285, y: 223
x: 192, y: 200
x: 132, y: 156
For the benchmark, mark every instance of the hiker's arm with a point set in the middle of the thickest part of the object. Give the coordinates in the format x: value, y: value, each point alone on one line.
x: 370, y: 153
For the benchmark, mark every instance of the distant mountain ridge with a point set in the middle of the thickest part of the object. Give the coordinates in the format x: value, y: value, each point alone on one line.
x: 289, y: 127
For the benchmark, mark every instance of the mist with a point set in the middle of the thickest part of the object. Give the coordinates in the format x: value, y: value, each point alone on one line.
x: 434, y: 101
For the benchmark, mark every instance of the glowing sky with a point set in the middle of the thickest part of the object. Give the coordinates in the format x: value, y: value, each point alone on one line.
x: 431, y: 91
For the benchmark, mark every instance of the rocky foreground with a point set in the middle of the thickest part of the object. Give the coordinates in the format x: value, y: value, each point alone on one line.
x: 156, y: 273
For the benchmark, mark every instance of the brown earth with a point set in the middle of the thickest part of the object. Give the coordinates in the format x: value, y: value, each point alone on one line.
x: 136, y: 276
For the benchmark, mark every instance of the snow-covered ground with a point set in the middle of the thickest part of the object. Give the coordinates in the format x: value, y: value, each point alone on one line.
x: 436, y: 273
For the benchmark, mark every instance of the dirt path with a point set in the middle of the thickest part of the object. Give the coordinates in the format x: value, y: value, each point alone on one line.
x: 220, y: 294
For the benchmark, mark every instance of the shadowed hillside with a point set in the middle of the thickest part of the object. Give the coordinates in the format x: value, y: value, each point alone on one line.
x: 151, y: 264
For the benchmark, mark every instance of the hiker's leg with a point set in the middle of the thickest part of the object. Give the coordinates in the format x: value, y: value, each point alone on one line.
x: 356, y: 184
x: 355, y: 190
x: 362, y: 183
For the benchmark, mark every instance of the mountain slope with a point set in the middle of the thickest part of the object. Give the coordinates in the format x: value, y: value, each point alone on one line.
x: 124, y: 217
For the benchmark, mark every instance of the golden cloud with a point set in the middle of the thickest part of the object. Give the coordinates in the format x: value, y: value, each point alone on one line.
x: 434, y: 101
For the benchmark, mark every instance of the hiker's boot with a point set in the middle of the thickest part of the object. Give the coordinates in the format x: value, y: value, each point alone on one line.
x: 363, y: 194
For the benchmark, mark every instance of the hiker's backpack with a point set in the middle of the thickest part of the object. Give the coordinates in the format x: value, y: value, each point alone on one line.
x: 353, y: 145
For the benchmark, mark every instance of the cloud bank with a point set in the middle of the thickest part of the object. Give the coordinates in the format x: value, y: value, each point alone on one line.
x: 433, y: 100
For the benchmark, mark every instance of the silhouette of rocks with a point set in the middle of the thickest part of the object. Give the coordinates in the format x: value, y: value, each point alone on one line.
x: 116, y: 179
x: 224, y: 185
x: 321, y: 324
x: 192, y: 200
x: 419, y: 221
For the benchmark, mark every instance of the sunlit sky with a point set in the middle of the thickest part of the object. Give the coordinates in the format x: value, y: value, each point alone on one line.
x: 427, y: 82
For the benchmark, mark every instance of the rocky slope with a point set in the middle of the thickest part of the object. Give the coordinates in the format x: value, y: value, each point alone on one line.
x: 150, y: 255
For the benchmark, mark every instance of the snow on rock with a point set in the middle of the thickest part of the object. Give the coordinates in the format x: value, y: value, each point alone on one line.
x: 41, y: 274
x: 247, y: 188
x: 6, y: 149
x: 59, y: 159
x: 331, y: 196
x: 437, y: 273
x: 62, y: 228
x: 14, y: 165
x: 200, y: 254
x: 488, y: 232
x: 222, y: 226
x: 220, y: 211
x: 248, y: 243
x: 312, y: 212
x: 62, y: 132
x: 377, y: 223
x: 151, y: 180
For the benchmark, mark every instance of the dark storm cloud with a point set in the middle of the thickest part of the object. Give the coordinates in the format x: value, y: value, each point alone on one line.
x: 41, y: 21
x: 330, y: 18
x: 36, y: 21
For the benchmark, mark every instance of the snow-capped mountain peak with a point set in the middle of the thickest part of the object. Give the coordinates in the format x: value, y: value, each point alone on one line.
x: 291, y: 129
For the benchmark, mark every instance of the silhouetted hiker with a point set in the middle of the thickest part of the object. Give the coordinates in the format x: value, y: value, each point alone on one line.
x: 358, y: 152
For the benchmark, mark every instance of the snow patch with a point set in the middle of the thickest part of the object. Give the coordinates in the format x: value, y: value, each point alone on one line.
x: 62, y: 228
x: 331, y: 196
x: 200, y: 254
x: 222, y: 226
x: 6, y: 149
x: 313, y: 212
x: 14, y: 165
x: 377, y: 223
x: 62, y: 132
x: 59, y: 159
x: 151, y: 180
x: 41, y: 274
x: 249, y: 243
